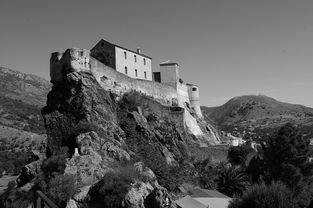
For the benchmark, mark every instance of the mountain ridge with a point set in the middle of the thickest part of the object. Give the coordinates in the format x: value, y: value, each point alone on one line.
x: 250, y: 112
x: 21, y: 98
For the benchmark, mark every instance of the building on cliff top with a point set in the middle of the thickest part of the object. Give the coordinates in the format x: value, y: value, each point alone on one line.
x: 138, y: 66
x: 131, y: 63
x: 109, y: 59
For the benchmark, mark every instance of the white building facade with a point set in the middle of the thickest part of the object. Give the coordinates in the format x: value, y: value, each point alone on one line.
x: 131, y: 63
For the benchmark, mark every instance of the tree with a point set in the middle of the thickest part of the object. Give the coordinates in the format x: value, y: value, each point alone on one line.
x: 275, y: 195
x: 286, y: 157
x: 111, y: 189
x: 61, y: 188
x: 238, y: 155
x: 232, y: 181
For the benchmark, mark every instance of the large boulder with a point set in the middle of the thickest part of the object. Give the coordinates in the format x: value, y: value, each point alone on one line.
x: 88, y: 168
x: 135, y: 197
x: 105, y: 146
x: 146, y: 173
x: 159, y: 198
x: 74, y: 106
x: 29, y: 172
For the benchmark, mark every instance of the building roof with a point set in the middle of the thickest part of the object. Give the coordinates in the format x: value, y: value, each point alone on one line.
x: 188, y: 202
x: 168, y: 63
x: 199, y: 192
x: 140, y: 54
x: 212, y: 202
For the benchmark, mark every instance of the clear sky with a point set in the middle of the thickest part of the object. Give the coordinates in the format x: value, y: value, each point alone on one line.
x: 227, y: 47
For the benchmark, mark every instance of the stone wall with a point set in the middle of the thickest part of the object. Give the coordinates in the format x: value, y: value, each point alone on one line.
x: 73, y: 59
x: 119, y: 84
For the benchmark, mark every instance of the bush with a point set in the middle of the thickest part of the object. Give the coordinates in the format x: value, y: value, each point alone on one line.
x: 61, y: 188
x: 56, y: 163
x: 16, y: 198
x: 274, y: 195
x: 112, y: 188
x: 12, y: 162
x: 238, y: 155
x: 232, y: 181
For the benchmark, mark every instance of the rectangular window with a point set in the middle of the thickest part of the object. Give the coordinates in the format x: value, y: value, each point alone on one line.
x: 135, y: 57
x: 194, y: 89
x: 145, y: 75
x: 125, y: 69
x: 125, y: 55
x: 136, y: 72
x: 144, y: 61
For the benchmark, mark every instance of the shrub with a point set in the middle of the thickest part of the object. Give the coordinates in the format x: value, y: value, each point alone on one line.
x: 56, y: 163
x: 61, y: 188
x: 232, y: 181
x: 238, y: 155
x: 16, y: 198
x: 275, y: 195
x: 111, y: 189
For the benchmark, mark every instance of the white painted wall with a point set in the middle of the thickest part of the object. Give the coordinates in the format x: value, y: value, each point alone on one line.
x: 131, y: 65
x: 194, y: 97
x: 183, y: 97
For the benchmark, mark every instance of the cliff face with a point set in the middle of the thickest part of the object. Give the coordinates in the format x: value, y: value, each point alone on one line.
x: 110, y: 130
x: 100, y: 127
x: 79, y: 60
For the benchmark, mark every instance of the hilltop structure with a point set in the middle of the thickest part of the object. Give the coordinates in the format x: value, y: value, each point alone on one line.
x: 138, y: 66
x: 128, y: 62
x: 121, y: 70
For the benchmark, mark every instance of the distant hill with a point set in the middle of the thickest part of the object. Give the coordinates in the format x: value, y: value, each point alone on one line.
x: 21, y: 98
x: 253, y: 114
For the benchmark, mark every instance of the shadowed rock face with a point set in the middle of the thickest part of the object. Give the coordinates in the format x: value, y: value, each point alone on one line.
x: 76, y: 106
x: 109, y: 129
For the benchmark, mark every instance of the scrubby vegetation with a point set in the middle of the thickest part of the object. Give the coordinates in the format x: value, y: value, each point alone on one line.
x: 148, y: 146
x: 112, y: 188
x: 21, y: 115
x: 274, y: 195
x: 53, y: 182
x: 12, y: 162
x: 278, y: 175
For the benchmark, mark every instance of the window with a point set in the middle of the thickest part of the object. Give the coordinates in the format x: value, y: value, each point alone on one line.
x: 136, y: 72
x: 194, y: 89
x: 125, y: 55
x: 125, y: 69
x: 157, y: 76
x: 145, y: 75
x: 82, y: 53
x: 135, y: 57
x: 144, y: 61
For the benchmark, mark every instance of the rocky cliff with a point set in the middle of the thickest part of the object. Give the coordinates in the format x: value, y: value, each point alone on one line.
x: 99, y: 138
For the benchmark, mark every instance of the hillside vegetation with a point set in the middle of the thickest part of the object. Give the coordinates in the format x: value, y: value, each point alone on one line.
x: 257, y: 115
x: 21, y: 124
x: 21, y: 98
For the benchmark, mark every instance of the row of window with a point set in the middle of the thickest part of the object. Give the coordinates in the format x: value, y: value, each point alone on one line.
x: 136, y: 72
x: 135, y: 58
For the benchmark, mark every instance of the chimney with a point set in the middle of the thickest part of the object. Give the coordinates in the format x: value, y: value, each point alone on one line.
x: 138, y: 50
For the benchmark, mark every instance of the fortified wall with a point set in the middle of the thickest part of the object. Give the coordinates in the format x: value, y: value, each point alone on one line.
x: 77, y: 60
